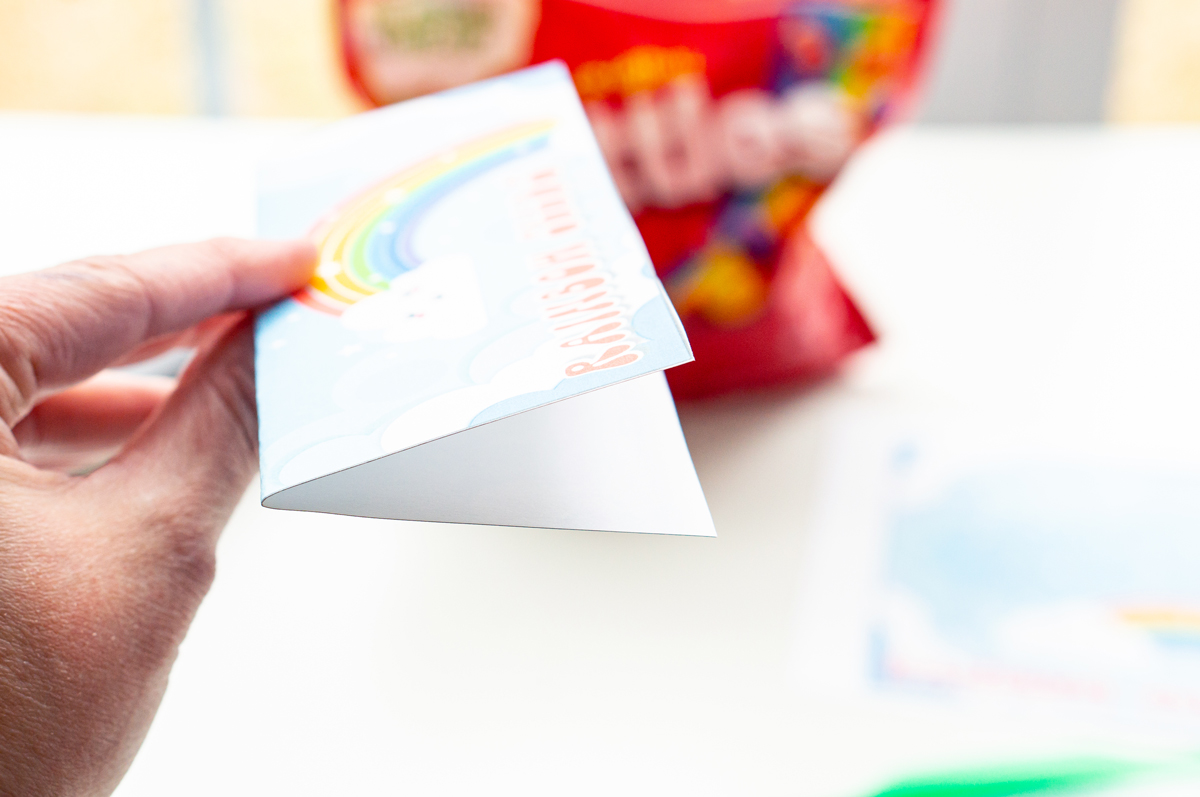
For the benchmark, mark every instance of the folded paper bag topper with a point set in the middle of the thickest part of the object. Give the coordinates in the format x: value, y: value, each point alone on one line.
x: 484, y: 337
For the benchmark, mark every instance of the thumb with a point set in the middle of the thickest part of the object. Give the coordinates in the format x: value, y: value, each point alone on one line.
x: 187, y: 468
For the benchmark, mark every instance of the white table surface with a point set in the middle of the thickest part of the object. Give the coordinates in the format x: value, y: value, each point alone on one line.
x: 1048, y: 273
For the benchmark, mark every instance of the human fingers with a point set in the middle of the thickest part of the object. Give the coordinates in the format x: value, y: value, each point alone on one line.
x: 190, y: 338
x: 64, y: 324
x: 186, y: 468
x: 87, y: 423
x: 102, y: 575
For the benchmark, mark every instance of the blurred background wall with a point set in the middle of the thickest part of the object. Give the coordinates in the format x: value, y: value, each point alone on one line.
x: 1022, y: 61
x: 1157, y: 62
x: 999, y: 60
x: 1067, y: 61
x: 245, y: 57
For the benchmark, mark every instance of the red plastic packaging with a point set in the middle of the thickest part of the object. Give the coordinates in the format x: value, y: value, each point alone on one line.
x: 723, y: 122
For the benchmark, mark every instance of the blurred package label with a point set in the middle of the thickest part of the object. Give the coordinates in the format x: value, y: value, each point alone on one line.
x: 722, y: 124
x: 398, y: 49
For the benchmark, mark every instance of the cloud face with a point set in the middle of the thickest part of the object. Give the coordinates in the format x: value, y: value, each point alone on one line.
x: 440, y: 300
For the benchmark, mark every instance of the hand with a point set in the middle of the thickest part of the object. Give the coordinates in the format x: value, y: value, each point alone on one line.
x: 100, y: 574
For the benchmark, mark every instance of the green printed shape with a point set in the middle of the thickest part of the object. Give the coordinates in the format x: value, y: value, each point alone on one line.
x: 1054, y: 778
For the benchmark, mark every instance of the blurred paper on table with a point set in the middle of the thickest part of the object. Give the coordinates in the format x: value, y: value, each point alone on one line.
x: 478, y: 276
x: 972, y: 567
x: 1173, y: 776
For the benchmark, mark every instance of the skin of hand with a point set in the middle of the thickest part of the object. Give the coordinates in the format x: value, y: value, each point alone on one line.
x: 100, y: 574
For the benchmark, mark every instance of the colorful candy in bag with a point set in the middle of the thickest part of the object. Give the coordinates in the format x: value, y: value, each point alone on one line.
x: 722, y: 123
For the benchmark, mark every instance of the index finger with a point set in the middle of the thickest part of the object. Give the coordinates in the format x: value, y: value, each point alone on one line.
x: 66, y: 323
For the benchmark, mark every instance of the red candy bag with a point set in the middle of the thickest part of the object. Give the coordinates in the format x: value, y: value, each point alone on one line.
x: 722, y: 123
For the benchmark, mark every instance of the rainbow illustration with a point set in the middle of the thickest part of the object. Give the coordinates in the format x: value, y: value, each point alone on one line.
x: 1171, y: 627
x: 367, y: 242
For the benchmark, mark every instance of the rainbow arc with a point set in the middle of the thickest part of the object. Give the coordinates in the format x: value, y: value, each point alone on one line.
x: 368, y: 242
